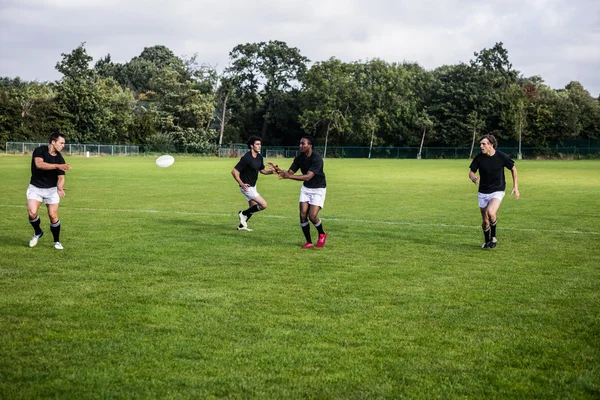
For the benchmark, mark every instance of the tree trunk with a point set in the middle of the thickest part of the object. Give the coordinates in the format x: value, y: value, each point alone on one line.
x: 371, y: 146
x: 263, y: 133
x: 326, y: 138
x: 422, y: 140
x: 222, y: 130
x: 473, y: 143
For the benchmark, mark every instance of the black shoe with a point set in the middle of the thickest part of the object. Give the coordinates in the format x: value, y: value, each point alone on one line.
x: 486, y: 245
x: 491, y: 244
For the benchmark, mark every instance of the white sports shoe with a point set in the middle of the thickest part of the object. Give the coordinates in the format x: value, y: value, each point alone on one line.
x: 243, y: 219
x: 58, y: 246
x: 243, y: 228
x: 34, y: 239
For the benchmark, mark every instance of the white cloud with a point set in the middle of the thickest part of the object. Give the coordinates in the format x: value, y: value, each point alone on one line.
x: 557, y: 39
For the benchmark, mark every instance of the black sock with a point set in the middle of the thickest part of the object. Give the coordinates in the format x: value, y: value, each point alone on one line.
x: 35, y: 223
x: 493, y: 228
x: 486, y: 234
x: 306, y: 230
x: 252, y: 210
x: 319, y: 227
x: 55, y: 228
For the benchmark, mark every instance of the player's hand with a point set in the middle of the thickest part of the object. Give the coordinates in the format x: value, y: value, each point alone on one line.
x: 273, y: 167
x: 61, y: 192
x: 515, y: 191
x: 475, y: 179
x: 245, y: 187
x: 64, y: 167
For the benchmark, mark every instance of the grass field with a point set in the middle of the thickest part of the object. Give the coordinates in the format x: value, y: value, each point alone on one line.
x: 157, y: 295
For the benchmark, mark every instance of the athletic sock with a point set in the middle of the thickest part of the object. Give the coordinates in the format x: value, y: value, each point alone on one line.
x: 319, y: 226
x: 486, y: 234
x: 35, y: 223
x: 55, y: 228
x: 306, y: 230
x: 252, y: 210
x: 493, y: 228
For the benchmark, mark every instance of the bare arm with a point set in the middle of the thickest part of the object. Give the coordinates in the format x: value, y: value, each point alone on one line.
x: 515, y: 189
x: 40, y: 164
x: 236, y: 176
x: 474, y: 178
x: 60, y: 186
x: 265, y: 171
x: 289, y: 174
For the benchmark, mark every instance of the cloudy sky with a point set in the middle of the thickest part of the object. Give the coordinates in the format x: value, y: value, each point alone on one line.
x: 556, y: 39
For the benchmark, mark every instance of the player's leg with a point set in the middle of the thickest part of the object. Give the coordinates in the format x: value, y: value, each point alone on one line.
x: 485, y: 226
x: 316, y: 202
x: 255, y: 204
x: 33, y: 206
x: 492, y: 211
x: 54, y: 224
x: 483, y: 200
x: 318, y: 223
x: 305, y: 224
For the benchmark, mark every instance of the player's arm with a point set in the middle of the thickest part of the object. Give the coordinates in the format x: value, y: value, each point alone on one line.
x: 236, y: 176
x: 60, y: 186
x: 515, y: 189
x: 474, y: 178
x: 274, y: 168
x: 265, y: 171
x: 40, y: 164
x: 289, y: 174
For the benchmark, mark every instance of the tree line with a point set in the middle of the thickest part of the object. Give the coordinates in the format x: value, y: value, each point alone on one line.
x: 170, y: 103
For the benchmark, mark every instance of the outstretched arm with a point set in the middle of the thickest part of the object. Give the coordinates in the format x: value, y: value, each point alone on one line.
x: 40, y: 164
x: 289, y: 174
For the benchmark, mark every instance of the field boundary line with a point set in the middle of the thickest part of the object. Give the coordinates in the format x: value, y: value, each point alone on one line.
x: 361, y: 221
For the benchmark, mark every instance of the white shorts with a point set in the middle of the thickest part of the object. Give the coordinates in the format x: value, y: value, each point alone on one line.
x: 315, y: 197
x: 251, y: 193
x: 484, y: 198
x: 48, y: 196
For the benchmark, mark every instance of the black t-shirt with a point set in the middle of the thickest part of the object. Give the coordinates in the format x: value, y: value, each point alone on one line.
x: 248, y: 168
x: 491, y: 171
x: 313, y: 163
x: 42, y: 178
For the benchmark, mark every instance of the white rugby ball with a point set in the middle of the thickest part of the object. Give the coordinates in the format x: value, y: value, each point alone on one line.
x: 165, y: 161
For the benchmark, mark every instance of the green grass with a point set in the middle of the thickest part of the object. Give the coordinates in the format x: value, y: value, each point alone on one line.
x: 156, y: 295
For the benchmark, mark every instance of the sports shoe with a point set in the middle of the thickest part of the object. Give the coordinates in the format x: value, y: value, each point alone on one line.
x: 243, y: 228
x: 243, y: 219
x: 492, y: 243
x: 486, y: 245
x: 321, y: 241
x: 58, y: 246
x: 308, y: 245
x: 35, y: 238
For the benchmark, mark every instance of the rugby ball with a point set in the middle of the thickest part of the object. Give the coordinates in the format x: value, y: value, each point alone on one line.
x: 165, y: 161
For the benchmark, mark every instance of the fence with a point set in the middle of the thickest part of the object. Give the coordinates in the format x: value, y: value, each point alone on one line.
x: 77, y: 149
x: 592, y: 150
x: 566, y: 152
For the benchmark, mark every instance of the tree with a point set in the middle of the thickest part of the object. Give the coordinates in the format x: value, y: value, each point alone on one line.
x: 328, y: 90
x: 269, y: 69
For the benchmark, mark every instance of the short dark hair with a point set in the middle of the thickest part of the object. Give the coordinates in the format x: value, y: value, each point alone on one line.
x: 253, y: 139
x: 55, y: 137
x: 310, y: 139
x: 491, y: 139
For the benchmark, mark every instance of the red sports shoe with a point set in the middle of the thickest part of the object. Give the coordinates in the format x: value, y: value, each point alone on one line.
x: 307, y: 245
x: 321, y: 241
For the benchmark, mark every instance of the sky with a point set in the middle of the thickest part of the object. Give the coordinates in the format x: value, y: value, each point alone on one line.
x: 558, y: 40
